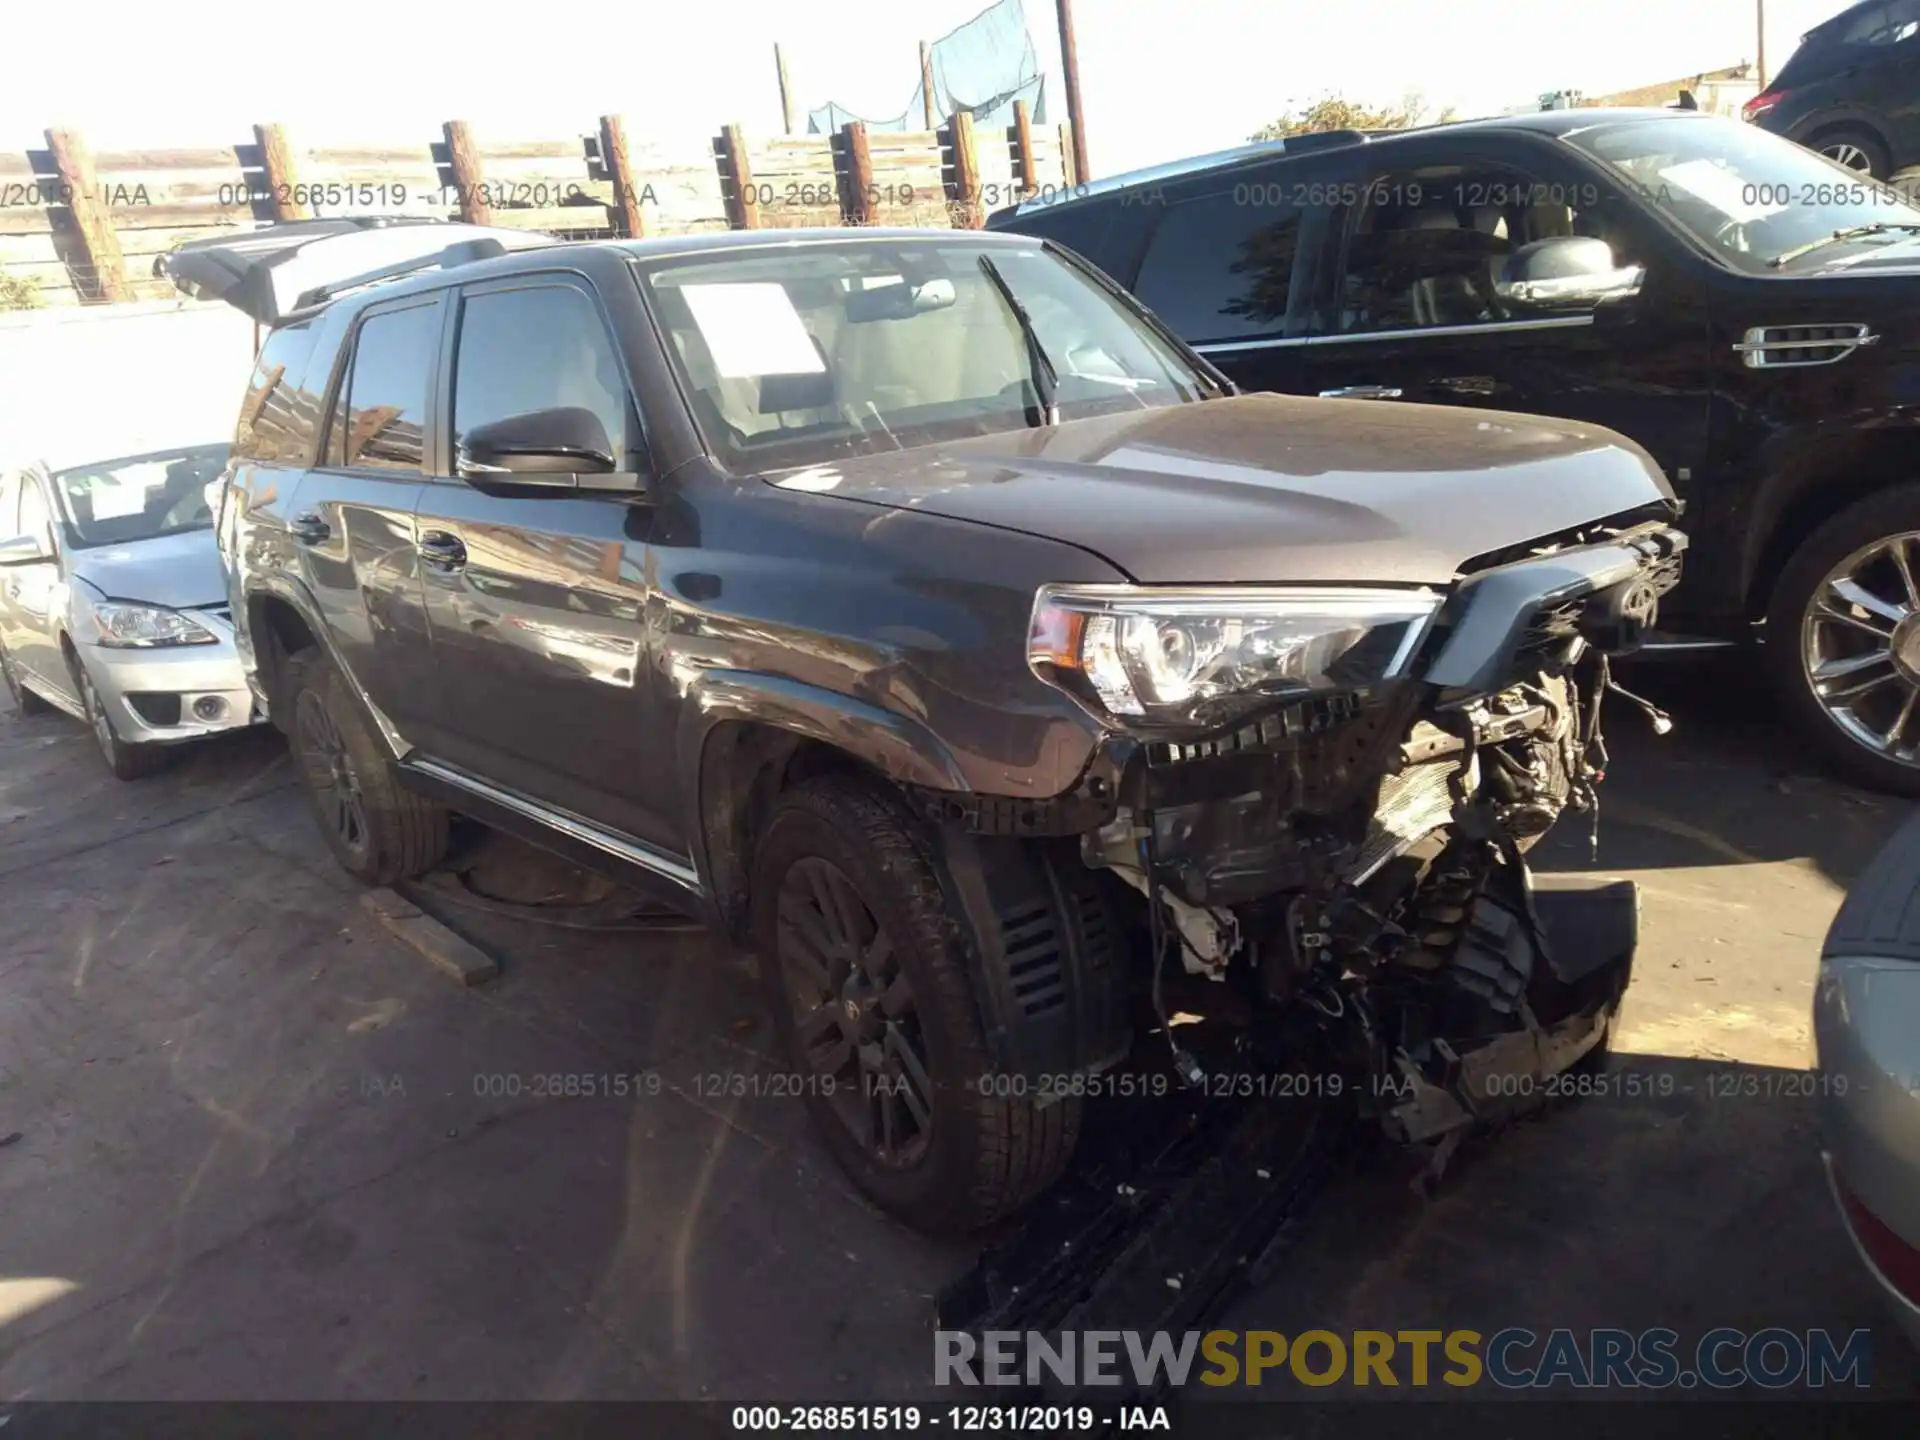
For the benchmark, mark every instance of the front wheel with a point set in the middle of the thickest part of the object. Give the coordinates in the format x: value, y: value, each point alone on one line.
x: 127, y: 762
x: 1843, y: 640
x: 378, y: 832
x: 867, y: 976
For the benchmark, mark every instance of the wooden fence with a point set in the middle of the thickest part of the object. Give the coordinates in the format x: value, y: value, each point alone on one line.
x: 79, y: 227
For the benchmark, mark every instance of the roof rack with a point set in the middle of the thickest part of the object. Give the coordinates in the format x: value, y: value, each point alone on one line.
x: 464, y: 252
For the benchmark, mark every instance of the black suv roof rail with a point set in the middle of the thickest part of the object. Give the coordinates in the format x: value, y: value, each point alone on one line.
x: 1329, y: 140
x: 464, y: 252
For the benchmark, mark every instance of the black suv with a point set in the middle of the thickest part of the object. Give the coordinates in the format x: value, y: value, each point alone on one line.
x: 915, y: 608
x: 1746, y: 310
x: 1852, y: 89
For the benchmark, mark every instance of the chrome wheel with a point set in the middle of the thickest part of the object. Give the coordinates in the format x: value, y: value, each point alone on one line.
x: 328, y: 772
x: 97, y: 715
x: 854, y: 1014
x: 1848, y: 154
x: 1860, y: 646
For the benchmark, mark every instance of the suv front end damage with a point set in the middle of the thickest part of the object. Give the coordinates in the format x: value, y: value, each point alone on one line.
x: 1349, y: 846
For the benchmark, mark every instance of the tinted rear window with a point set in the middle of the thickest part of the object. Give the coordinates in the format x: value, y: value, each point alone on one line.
x: 387, y: 390
x: 1219, y: 267
x: 280, y: 417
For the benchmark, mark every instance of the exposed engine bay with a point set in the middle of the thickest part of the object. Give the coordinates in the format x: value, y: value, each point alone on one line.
x: 1359, y: 859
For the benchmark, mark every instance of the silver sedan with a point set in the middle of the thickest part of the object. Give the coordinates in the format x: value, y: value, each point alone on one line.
x: 1866, y: 1027
x: 113, y: 603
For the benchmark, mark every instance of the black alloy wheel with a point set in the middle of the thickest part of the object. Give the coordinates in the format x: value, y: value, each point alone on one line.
x: 329, y: 773
x: 853, y: 1013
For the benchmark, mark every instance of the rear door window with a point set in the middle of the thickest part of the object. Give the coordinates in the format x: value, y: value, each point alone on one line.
x: 382, y: 425
x: 1219, y: 267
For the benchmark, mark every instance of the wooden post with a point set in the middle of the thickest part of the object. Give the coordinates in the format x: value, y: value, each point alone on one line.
x: 861, y: 198
x: 786, y: 90
x: 1070, y: 63
x: 926, y: 86
x: 966, y: 171
x: 736, y: 180
x: 626, y: 196
x: 1069, y: 172
x: 277, y: 169
x: 1027, y: 171
x: 91, y: 218
x: 469, y: 177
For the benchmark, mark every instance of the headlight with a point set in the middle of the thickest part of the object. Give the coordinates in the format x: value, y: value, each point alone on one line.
x: 1203, y: 657
x: 124, y: 625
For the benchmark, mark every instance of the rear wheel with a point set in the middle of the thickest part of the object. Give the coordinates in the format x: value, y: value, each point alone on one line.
x: 1843, y: 640
x: 378, y: 832
x: 127, y: 762
x: 867, y: 975
x: 1855, y: 148
x: 24, y: 700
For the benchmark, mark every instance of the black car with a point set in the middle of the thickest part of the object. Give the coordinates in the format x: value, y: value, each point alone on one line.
x: 1852, y: 89
x: 1745, y: 309
x: 912, y: 606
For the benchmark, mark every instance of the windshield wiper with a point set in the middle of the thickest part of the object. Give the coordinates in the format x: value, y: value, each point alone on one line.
x: 1046, y: 380
x: 1840, y: 237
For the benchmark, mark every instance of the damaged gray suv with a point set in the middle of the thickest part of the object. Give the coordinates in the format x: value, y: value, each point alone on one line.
x: 918, y: 610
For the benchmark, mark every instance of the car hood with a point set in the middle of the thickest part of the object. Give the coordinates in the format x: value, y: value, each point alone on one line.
x: 178, y: 571
x: 1261, y: 488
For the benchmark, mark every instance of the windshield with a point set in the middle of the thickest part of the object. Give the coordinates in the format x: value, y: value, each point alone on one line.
x: 120, y: 501
x: 801, y: 356
x: 1755, y: 198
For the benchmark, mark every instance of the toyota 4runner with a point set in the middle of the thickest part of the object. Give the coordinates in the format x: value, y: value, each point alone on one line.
x: 917, y: 609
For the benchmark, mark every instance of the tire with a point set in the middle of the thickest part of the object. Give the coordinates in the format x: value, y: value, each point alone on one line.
x: 1888, y: 513
x: 127, y: 762
x: 1855, y: 147
x: 961, y: 1155
x: 378, y: 831
x: 24, y: 700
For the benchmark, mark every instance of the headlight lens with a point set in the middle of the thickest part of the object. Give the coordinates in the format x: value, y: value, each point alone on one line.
x: 124, y: 625
x: 1155, y: 657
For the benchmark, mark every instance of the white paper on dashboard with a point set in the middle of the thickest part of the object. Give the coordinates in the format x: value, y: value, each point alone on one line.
x: 752, y: 330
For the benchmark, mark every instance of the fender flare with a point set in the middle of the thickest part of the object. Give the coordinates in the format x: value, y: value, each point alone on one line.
x: 296, y: 596
x: 895, y: 745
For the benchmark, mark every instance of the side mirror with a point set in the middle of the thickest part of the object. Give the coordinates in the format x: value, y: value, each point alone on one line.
x: 1566, y: 272
x: 561, y: 449
x: 24, y: 550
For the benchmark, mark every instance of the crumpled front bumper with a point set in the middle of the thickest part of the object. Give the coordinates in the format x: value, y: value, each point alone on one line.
x: 171, y: 694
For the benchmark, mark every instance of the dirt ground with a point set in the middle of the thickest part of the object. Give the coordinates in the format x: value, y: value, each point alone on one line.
x: 252, y: 1147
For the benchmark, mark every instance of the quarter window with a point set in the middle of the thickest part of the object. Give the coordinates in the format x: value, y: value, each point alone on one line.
x: 281, y: 414
x: 539, y: 348
x: 1220, y: 267
x: 386, y: 412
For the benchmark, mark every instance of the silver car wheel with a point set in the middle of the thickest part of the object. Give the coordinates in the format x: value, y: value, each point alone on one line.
x: 1847, y: 154
x: 96, y: 714
x: 1860, y: 646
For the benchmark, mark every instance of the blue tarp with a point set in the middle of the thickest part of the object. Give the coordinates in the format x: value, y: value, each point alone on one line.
x: 982, y: 67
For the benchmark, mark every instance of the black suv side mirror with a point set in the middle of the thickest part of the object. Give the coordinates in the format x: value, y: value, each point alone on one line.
x: 1566, y: 272
x: 561, y: 449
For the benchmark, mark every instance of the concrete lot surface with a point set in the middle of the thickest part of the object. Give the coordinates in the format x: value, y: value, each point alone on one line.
x: 252, y: 1146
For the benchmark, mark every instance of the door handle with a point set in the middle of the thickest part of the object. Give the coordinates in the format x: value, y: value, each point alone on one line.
x: 440, y: 551
x: 309, y: 529
x: 1362, y: 392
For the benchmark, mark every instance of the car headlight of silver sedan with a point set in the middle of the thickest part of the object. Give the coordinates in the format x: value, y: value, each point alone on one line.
x: 128, y: 625
x: 1154, y: 657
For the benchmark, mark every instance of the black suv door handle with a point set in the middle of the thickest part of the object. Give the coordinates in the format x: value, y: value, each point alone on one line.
x: 309, y: 529
x: 440, y: 550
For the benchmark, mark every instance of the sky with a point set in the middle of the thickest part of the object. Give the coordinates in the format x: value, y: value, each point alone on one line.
x: 1160, y: 79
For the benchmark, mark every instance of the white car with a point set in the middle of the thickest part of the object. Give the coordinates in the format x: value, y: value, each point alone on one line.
x: 113, y: 604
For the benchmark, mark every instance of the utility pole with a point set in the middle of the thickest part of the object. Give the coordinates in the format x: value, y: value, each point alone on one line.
x: 786, y: 90
x: 1070, y: 66
x: 1760, y: 57
x: 926, y: 86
